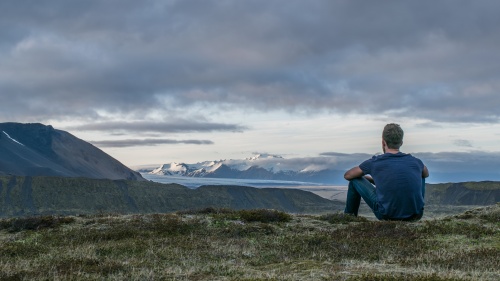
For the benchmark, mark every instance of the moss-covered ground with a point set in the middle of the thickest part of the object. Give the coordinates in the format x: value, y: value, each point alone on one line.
x: 225, y: 244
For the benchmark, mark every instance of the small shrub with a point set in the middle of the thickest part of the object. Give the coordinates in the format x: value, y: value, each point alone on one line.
x: 11, y: 277
x: 341, y: 218
x: 264, y: 215
x: 399, y: 277
x: 493, y: 217
x: 4, y: 224
x: 453, y: 227
x: 88, y: 265
x: 170, y: 224
x: 137, y: 227
x: 381, y: 229
x: 254, y: 215
x: 21, y: 249
x: 477, y: 259
x: 489, y: 214
x: 206, y: 211
x: 115, y: 233
x: 237, y: 230
x: 35, y: 223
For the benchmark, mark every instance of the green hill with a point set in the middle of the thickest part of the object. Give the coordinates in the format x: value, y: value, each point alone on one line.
x: 464, y: 193
x: 25, y: 196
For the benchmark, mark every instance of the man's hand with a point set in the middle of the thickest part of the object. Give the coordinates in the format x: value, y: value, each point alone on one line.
x: 353, y: 173
x: 370, y: 179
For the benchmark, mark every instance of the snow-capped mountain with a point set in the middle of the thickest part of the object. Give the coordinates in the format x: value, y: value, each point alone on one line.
x: 259, y: 166
x: 171, y: 169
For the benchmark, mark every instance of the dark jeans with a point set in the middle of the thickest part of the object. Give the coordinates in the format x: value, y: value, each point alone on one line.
x: 362, y: 188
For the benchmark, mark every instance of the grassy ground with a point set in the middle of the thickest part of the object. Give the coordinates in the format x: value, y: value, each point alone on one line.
x: 222, y: 244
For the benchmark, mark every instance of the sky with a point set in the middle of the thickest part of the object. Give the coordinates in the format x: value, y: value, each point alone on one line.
x: 153, y: 82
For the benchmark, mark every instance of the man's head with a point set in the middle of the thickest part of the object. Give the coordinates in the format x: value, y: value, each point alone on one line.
x: 393, y: 136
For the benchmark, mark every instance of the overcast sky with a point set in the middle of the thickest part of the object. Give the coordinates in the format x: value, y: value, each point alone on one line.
x: 153, y: 82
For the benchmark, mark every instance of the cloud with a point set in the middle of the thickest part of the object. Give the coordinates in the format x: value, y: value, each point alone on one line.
x: 340, y: 155
x: 443, y: 166
x: 429, y: 125
x: 473, y: 164
x: 335, y: 161
x: 157, y: 127
x: 146, y: 142
x: 463, y: 143
x: 399, y: 58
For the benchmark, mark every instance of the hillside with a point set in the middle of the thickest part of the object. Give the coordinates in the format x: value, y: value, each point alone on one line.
x: 21, y: 196
x: 223, y: 244
x: 39, y: 150
x: 464, y: 193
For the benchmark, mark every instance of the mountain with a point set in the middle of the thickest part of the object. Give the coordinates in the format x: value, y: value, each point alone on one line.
x: 260, y: 166
x: 28, y: 196
x: 38, y: 150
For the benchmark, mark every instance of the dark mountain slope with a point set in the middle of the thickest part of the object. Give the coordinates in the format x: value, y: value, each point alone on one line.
x: 36, y: 149
x: 22, y: 196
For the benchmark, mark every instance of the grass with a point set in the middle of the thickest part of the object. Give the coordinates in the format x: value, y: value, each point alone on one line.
x: 260, y: 244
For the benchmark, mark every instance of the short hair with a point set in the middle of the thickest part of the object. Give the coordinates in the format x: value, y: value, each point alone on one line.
x: 393, y: 135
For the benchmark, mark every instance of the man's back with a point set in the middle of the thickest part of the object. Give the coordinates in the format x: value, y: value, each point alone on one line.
x: 398, y: 180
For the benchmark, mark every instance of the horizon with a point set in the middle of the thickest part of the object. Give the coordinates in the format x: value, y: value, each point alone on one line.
x: 192, y: 81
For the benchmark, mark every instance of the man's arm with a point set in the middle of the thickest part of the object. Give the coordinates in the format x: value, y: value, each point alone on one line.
x: 425, y: 172
x: 353, y: 173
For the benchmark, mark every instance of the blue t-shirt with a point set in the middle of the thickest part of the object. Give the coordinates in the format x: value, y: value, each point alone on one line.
x: 398, y: 181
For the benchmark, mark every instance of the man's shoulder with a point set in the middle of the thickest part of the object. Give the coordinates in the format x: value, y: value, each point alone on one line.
x: 391, y: 158
x: 412, y: 157
x: 397, y: 157
x: 372, y: 159
x: 400, y: 154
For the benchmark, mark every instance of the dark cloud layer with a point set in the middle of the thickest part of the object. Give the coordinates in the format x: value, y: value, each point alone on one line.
x: 146, y: 142
x: 463, y: 143
x: 433, y: 59
x: 443, y: 166
x: 156, y: 127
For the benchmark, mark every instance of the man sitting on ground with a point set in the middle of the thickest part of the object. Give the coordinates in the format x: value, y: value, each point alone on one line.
x: 399, y: 181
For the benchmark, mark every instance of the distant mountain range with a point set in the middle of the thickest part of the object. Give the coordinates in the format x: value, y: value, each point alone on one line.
x: 40, y: 150
x: 260, y: 166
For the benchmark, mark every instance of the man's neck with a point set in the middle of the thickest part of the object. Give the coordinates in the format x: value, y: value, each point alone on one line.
x: 392, y: 151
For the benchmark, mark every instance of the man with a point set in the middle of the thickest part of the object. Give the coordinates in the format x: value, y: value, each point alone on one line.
x: 399, y: 181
